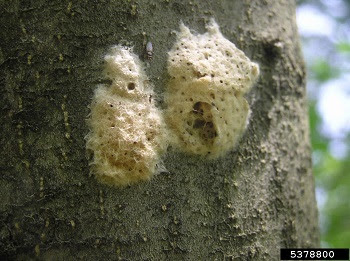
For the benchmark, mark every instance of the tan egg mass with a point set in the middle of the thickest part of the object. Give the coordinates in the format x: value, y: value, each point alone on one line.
x: 126, y: 129
x: 206, y: 109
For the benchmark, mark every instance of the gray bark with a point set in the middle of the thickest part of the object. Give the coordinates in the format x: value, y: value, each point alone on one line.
x: 244, y: 206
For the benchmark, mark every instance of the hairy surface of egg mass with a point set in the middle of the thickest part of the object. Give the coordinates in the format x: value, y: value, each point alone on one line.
x: 126, y: 129
x: 206, y: 108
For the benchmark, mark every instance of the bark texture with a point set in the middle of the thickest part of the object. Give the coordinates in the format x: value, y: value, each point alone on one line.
x: 244, y: 206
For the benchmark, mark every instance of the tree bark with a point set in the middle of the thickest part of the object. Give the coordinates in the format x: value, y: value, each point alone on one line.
x: 243, y: 206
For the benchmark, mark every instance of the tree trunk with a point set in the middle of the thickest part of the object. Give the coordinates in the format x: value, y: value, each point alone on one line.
x: 243, y: 206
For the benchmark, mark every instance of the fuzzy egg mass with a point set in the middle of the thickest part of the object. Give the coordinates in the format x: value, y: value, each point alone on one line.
x: 206, y: 109
x: 126, y: 129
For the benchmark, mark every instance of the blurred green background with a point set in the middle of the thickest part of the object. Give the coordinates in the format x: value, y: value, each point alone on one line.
x: 324, y: 26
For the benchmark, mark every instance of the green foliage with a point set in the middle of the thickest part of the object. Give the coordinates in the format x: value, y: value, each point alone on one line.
x: 332, y: 174
x: 318, y: 142
x: 323, y: 71
x: 343, y: 47
x: 336, y: 179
